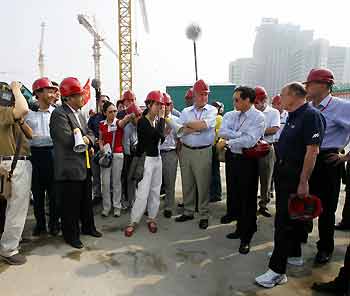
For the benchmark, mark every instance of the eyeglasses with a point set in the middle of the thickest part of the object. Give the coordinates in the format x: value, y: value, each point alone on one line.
x: 113, y: 111
x: 103, y: 101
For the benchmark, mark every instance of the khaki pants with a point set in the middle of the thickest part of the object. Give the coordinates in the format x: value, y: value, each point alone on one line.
x: 266, y: 165
x: 195, y: 167
x: 17, y: 207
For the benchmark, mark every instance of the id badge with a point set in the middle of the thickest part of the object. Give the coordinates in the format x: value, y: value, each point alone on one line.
x: 196, y: 133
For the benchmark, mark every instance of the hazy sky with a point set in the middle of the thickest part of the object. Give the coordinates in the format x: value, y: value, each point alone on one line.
x: 166, y: 56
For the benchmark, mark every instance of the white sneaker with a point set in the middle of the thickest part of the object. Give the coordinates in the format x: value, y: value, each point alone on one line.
x: 295, y: 261
x: 105, y: 213
x: 270, y: 279
x: 117, y: 212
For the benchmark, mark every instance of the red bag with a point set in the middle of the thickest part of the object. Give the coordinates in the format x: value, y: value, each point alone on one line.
x: 307, y: 208
x: 261, y: 149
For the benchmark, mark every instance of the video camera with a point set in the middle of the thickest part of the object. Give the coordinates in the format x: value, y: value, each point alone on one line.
x: 7, y: 98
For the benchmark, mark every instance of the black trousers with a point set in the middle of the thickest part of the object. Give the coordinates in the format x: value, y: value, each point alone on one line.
x: 126, y: 167
x: 346, y: 208
x: 76, y: 205
x: 325, y: 183
x: 244, y: 189
x: 3, y: 205
x: 231, y: 203
x: 215, y: 183
x: 43, y: 186
x: 288, y: 233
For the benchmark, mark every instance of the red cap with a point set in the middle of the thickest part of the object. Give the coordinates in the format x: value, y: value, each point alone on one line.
x: 306, y: 208
x: 201, y: 86
x: 276, y: 99
x: 260, y: 94
x: 189, y: 93
x: 155, y: 96
x: 71, y: 86
x: 134, y: 109
x: 322, y: 75
x: 43, y: 83
x: 261, y: 149
x: 167, y: 99
x: 128, y: 95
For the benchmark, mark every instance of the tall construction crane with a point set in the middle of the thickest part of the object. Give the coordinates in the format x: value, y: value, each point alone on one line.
x: 41, y: 52
x: 83, y: 20
x: 125, y: 26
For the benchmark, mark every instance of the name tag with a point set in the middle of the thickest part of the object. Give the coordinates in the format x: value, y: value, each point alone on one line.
x: 196, y: 133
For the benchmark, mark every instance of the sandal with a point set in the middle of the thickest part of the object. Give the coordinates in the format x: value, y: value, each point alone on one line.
x: 129, y: 230
x: 152, y: 226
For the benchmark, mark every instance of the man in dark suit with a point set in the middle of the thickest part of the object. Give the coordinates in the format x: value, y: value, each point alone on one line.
x: 71, y: 168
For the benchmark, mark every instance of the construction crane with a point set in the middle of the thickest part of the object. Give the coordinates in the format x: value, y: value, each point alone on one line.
x: 125, y: 41
x: 83, y: 20
x: 41, y: 51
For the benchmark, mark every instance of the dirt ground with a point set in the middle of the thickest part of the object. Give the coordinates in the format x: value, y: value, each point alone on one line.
x: 179, y: 260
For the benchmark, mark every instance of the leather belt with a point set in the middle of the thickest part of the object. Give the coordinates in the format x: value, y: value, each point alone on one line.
x: 166, y: 151
x: 2, y: 158
x: 196, y: 148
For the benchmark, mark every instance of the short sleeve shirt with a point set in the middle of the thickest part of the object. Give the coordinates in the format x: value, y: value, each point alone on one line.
x: 9, y: 131
x: 305, y: 126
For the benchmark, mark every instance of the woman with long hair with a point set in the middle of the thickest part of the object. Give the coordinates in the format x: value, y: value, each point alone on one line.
x: 112, y: 128
x: 150, y: 132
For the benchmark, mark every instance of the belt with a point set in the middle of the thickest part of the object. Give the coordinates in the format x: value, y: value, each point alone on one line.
x: 2, y: 158
x: 166, y: 151
x: 196, y: 148
x: 41, y: 147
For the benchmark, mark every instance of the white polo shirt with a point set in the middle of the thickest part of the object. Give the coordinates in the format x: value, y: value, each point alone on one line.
x: 283, y: 120
x: 272, y: 119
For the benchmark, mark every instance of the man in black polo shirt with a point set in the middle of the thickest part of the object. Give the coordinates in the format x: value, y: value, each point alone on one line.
x: 296, y: 151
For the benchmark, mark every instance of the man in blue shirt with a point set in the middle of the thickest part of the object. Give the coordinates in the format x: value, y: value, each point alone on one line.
x: 326, y: 178
x: 296, y: 153
x: 196, y: 154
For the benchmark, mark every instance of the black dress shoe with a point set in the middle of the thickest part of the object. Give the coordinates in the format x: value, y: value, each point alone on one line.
x: 180, y: 205
x: 76, y: 244
x: 203, y: 223
x: 233, y: 235
x: 54, y: 231
x: 341, y: 226
x: 167, y: 214
x: 37, y: 231
x: 93, y: 233
x: 184, y: 218
x: 227, y: 219
x: 322, y: 257
x: 264, y: 212
x: 244, y: 248
x: 215, y: 199
x: 332, y: 287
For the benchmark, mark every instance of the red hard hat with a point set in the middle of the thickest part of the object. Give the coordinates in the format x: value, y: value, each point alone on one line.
x: 261, y: 149
x: 128, y: 95
x: 276, y: 99
x: 43, y: 83
x: 167, y: 99
x: 189, y: 93
x: 260, y: 94
x: 322, y: 75
x: 201, y: 86
x: 134, y: 109
x: 71, y: 86
x: 306, y: 208
x: 155, y: 96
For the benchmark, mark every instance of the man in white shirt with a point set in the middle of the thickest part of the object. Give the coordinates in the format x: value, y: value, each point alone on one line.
x: 266, y: 163
x: 42, y: 157
x: 277, y: 104
x: 240, y: 130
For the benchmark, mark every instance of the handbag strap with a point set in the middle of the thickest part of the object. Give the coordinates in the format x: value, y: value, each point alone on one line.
x: 113, y: 140
x: 16, y: 156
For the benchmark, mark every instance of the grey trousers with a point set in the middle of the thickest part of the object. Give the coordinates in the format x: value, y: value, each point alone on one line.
x: 169, y: 164
x: 196, y: 174
x: 266, y: 165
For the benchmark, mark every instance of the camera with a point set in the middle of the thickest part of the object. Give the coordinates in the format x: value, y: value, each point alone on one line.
x: 6, y: 96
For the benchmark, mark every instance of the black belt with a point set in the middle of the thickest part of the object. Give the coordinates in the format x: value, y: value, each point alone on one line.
x: 41, y: 148
x: 329, y: 150
x: 196, y: 148
x: 2, y: 158
x: 166, y: 151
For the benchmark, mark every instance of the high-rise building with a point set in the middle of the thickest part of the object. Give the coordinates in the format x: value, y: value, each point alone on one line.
x: 283, y: 53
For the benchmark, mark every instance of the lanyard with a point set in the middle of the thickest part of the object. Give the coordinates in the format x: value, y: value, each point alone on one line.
x: 325, y: 107
x: 241, y: 123
x: 196, y: 114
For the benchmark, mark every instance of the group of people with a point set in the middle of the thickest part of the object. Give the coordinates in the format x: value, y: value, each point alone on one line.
x: 130, y: 155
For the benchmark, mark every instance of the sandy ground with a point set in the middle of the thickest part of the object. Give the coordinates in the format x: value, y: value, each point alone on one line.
x: 179, y: 260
